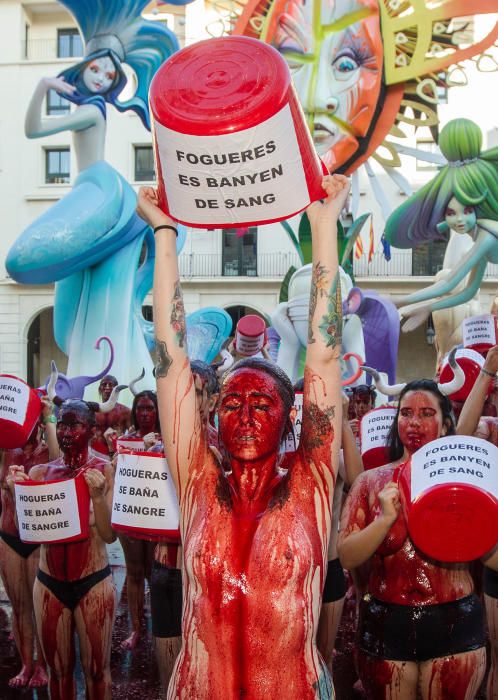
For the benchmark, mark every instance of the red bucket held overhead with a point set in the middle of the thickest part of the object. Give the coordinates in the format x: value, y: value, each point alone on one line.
x: 231, y: 143
x: 451, y: 491
x: 20, y: 408
x: 250, y: 335
x: 479, y: 333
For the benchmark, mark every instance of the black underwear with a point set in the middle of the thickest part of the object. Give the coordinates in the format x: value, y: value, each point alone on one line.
x: 166, y: 601
x: 490, y: 582
x: 335, y: 582
x: 24, y: 549
x: 420, y: 632
x: 70, y: 593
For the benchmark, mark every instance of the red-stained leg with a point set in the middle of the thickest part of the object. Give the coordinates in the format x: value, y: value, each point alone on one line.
x: 138, y: 558
x: 492, y: 619
x: 94, y: 619
x: 455, y: 677
x: 13, y: 570
x: 328, y: 624
x: 55, y: 627
x: 387, y: 680
x: 39, y: 679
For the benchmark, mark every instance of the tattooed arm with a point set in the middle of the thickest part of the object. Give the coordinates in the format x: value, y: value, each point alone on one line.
x: 322, y: 403
x: 178, y: 413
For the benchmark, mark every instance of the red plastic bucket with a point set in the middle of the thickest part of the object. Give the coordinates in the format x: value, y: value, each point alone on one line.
x: 20, y: 408
x: 451, y: 491
x: 374, y: 430
x: 231, y: 143
x: 250, y: 335
x: 53, y: 512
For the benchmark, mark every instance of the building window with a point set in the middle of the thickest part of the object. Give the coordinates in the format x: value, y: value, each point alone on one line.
x: 144, y: 164
x: 427, y: 259
x: 57, y: 166
x: 69, y: 43
x: 56, y: 104
x: 240, y: 252
x: 429, y: 146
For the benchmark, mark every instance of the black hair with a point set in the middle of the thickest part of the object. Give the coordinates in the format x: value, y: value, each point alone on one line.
x: 394, y: 444
x: 208, y: 374
x: 87, y: 408
x: 299, y: 384
x: 146, y: 394
x: 109, y: 378
x: 364, y: 389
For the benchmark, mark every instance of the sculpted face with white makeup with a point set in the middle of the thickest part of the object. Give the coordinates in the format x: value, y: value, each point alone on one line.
x: 99, y: 75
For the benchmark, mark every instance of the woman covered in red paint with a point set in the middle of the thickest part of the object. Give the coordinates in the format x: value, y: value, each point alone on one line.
x: 421, y: 625
x: 74, y: 590
x: 19, y: 560
x: 255, y: 527
x: 139, y: 553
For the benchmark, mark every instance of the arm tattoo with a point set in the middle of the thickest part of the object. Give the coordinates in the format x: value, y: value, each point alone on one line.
x: 331, y: 322
x: 317, y: 288
x: 163, y: 359
x: 318, y: 424
x: 177, y: 319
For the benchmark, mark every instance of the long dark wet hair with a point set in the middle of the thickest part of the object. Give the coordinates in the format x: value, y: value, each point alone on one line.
x: 147, y: 394
x: 394, y: 444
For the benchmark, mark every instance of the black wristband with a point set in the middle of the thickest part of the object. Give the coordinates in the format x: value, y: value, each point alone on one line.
x: 486, y: 371
x: 172, y: 228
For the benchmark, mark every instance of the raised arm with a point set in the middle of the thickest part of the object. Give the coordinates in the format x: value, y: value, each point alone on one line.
x: 472, y: 408
x: 35, y: 126
x: 179, y: 415
x: 322, y: 403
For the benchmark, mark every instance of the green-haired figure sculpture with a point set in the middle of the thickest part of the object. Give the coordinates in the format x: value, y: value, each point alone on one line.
x: 464, y: 197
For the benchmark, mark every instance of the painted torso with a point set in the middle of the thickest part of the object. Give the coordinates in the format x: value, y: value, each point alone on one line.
x: 27, y: 457
x: 400, y: 573
x: 253, y: 589
x: 69, y: 562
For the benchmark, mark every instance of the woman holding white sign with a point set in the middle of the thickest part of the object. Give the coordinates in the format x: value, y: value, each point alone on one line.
x: 421, y: 624
x: 74, y: 590
x: 139, y: 553
x: 255, y: 527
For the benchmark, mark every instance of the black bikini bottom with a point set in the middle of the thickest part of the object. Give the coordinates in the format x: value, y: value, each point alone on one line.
x: 335, y: 582
x: 24, y: 549
x: 166, y: 601
x: 420, y: 632
x: 70, y: 593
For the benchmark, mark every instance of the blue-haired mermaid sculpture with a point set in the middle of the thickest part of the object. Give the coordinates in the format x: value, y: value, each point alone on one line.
x: 463, y: 196
x: 89, y: 243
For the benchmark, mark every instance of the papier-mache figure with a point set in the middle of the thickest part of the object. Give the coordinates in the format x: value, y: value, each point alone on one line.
x: 89, y: 242
x: 463, y: 196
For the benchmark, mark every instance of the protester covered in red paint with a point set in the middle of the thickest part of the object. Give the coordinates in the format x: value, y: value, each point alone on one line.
x: 421, y: 625
x: 74, y: 590
x: 255, y: 527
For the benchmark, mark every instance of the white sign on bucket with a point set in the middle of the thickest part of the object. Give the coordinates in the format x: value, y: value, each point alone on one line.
x: 145, y: 499
x: 14, y: 397
x: 48, y: 512
x: 455, y: 460
x: 374, y: 428
x: 479, y: 331
x: 254, y: 174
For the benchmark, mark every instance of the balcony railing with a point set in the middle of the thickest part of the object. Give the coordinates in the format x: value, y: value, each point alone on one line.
x: 400, y: 265
x: 44, y: 50
x: 268, y: 265
x: 275, y: 265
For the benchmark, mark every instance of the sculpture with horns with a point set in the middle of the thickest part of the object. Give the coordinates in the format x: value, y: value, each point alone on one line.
x: 95, y: 406
x: 447, y: 388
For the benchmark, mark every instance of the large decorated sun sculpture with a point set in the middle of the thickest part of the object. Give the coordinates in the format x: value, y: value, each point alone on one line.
x: 365, y: 68
x: 90, y: 243
x: 462, y: 199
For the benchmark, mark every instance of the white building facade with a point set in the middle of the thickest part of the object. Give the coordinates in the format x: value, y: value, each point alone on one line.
x: 242, y: 275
